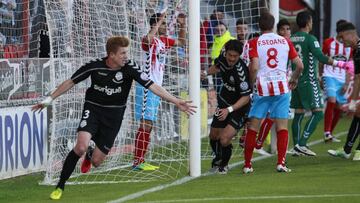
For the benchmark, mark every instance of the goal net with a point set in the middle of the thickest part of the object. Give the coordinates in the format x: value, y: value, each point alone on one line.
x: 77, y: 32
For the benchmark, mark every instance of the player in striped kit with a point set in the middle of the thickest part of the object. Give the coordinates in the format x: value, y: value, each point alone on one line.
x: 155, y: 45
x: 269, y: 55
x: 283, y: 29
x: 335, y: 81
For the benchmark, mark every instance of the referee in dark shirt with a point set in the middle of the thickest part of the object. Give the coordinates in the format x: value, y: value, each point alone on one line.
x: 105, y: 103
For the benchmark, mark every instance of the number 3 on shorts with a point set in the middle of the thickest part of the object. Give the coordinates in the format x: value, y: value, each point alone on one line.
x: 86, y: 114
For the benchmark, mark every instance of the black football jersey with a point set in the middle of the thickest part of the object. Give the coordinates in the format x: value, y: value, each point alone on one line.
x: 236, y: 81
x: 109, y: 87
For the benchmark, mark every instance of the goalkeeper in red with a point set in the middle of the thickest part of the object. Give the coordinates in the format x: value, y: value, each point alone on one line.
x: 307, y: 95
x: 104, y: 107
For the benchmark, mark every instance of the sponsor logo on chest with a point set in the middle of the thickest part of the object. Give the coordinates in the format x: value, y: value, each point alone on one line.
x: 118, y: 78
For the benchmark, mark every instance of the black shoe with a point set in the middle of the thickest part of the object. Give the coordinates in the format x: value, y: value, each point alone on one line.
x: 223, y: 170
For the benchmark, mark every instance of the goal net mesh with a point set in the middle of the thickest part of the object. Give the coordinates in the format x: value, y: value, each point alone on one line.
x: 77, y: 32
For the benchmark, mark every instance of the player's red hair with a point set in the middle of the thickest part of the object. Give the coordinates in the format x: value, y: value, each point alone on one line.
x: 113, y: 43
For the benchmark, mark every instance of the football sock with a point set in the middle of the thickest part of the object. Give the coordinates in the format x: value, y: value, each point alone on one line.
x: 282, y: 143
x: 336, y: 117
x: 68, y: 167
x: 296, y: 127
x: 141, y: 143
x: 250, y: 141
x: 329, y: 113
x: 352, y: 134
x: 311, y: 126
x: 264, y: 131
x: 215, y: 146
x: 225, y: 155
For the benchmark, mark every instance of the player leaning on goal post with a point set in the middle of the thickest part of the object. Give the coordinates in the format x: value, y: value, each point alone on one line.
x: 104, y: 107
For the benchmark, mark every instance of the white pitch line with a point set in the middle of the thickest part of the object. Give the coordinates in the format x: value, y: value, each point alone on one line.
x: 257, y: 198
x: 188, y: 178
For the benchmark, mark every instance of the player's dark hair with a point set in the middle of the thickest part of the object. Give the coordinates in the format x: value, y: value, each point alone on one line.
x: 113, y: 43
x: 341, y: 21
x: 266, y: 21
x: 303, y: 18
x: 345, y: 27
x: 242, y: 21
x: 234, y: 45
x: 338, y: 23
x: 281, y: 23
x: 154, y: 18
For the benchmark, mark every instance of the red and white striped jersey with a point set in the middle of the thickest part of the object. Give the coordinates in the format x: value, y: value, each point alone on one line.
x: 273, y: 52
x: 245, y: 54
x: 155, y: 57
x: 336, y: 50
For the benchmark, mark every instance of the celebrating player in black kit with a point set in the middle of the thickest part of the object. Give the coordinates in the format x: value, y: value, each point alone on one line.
x: 105, y: 103
x: 232, y: 104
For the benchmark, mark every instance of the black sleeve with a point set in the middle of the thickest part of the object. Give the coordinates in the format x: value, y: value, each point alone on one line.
x: 82, y: 73
x: 357, y: 61
x: 138, y: 75
x: 245, y: 87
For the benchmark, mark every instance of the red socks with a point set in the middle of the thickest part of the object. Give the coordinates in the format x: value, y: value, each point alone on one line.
x: 336, y: 117
x: 264, y: 131
x: 328, y: 117
x: 250, y: 142
x: 282, y: 143
x: 141, y: 143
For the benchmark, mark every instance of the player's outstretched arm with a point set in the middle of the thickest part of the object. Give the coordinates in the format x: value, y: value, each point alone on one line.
x: 63, y: 87
x: 183, y: 105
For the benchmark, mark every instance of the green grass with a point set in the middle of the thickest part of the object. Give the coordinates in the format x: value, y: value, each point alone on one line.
x: 320, y: 175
